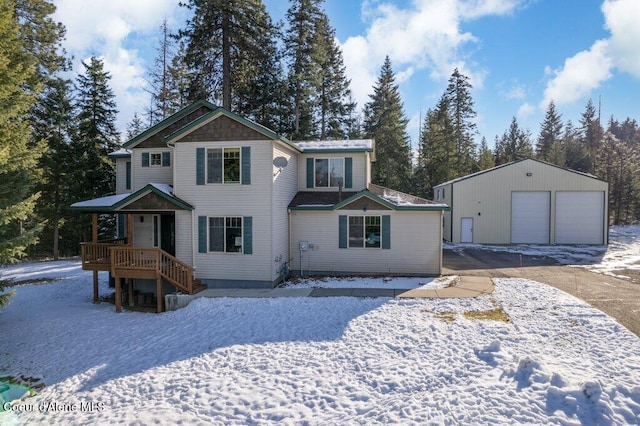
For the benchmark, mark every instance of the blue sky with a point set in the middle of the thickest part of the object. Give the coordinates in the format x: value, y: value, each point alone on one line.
x: 519, y: 54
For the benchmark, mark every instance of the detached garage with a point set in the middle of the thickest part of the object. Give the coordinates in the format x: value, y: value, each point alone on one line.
x: 526, y: 202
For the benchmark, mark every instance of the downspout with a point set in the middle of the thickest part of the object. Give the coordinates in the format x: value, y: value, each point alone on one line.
x: 289, y: 257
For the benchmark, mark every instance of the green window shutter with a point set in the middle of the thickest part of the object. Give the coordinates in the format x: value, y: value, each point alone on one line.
x: 128, y: 181
x: 200, y: 166
x: 246, y: 165
x: 310, y: 173
x: 348, y: 172
x: 202, y: 234
x: 247, y: 234
x: 386, y: 232
x: 166, y: 158
x: 145, y: 159
x: 121, y: 225
x: 342, y: 231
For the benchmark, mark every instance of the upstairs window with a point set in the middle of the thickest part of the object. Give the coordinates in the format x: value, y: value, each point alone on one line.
x: 155, y: 159
x: 223, y: 165
x: 329, y: 172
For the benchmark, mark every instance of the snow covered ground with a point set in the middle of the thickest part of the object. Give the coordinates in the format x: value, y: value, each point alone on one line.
x: 366, y: 282
x: 316, y: 360
x: 623, y: 252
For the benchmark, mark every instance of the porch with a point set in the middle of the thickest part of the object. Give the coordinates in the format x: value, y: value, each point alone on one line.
x: 149, y: 260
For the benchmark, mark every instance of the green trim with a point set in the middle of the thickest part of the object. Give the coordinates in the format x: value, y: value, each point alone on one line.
x: 200, y: 121
x: 348, y: 172
x: 247, y: 234
x: 310, y: 169
x: 168, y: 121
x: 166, y: 158
x: 245, y: 165
x: 386, y: 232
x: 200, y: 166
x: 183, y: 205
x: 127, y: 184
x: 145, y: 159
x: 373, y: 197
x: 335, y: 150
x: 202, y: 234
x: 343, y: 231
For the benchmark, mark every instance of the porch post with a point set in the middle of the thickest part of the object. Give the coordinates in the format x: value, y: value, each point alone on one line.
x: 94, y: 239
x: 130, y: 229
x: 130, y: 283
x: 118, y: 294
x: 159, y: 293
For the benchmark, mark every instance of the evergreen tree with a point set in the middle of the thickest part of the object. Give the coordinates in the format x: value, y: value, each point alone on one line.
x: 135, y: 127
x: 229, y: 48
x: 486, y: 159
x: 462, y: 113
x: 550, y: 135
x: 591, y: 136
x: 386, y: 123
x: 18, y: 157
x: 162, y: 104
x: 435, y: 149
x: 515, y: 144
x: 335, y: 103
x: 302, y: 56
x: 575, y: 155
x: 96, y: 136
x: 52, y: 121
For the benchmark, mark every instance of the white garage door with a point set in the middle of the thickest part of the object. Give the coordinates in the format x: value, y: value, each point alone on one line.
x: 580, y: 217
x: 530, y: 213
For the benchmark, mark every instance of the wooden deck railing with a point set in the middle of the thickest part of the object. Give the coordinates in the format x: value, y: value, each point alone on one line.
x: 176, y: 272
x: 97, y: 255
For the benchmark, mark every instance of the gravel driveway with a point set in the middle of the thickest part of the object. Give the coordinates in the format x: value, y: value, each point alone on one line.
x: 616, y: 297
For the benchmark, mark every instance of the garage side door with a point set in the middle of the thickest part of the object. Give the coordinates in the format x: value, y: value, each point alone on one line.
x: 580, y: 217
x: 530, y: 212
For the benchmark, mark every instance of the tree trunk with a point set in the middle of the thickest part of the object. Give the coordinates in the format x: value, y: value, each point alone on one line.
x: 226, y: 61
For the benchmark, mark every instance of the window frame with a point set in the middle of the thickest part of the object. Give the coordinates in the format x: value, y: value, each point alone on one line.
x: 153, y: 162
x: 224, y: 234
x: 328, y: 159
x: 222, y: 168
x: 364, y: 231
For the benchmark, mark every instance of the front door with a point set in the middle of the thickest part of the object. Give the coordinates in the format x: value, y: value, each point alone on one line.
x: 168, y: 233
x: 466, y: 230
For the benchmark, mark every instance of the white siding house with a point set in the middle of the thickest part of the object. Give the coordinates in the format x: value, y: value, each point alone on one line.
x: 527, y: 201
x: 232, y: 201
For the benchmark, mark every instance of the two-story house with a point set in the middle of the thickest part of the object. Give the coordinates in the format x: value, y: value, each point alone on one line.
x: 208, y: 198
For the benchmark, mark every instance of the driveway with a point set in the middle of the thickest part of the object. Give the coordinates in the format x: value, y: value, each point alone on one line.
x: 616, y: 297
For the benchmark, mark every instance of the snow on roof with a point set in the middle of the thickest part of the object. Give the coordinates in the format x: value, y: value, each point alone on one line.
x: 102, y: 201
x: 330, y: 145
x: 122, y: 152
x: 167, y: 189
x: 400, y: 198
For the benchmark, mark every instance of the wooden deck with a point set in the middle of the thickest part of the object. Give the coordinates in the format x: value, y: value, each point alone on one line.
x: 126, y: 263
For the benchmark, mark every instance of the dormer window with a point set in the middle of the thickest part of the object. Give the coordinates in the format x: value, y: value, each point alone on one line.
x: 329, y: 172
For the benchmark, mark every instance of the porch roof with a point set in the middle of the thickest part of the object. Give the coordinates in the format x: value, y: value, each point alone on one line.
x: 119, y: 202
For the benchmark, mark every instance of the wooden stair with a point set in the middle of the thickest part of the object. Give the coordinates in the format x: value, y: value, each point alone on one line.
x: 198, y: 286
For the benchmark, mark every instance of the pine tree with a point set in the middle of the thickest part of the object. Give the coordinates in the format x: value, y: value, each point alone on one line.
x: 591, y: 137
x: 335, y: 103
x: 435, y: 149
x: 96, y: 136
x: 229, y: 48
x: 550, y: 135
x: 462, y: 113
x: 52, y: 121
x: 515, y: 144
x: 18, y: 154
x: 304, y: 78
x: 386, y: 123
x: 162, y: 104
x: 135, y: 126
x: 486, y: 159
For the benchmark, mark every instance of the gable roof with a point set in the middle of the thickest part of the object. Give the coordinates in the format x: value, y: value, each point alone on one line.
x: 113, y: 203
x: 219, y: 111
x: 168, y: 121
x: 121, y: 153
x: 394, y: 200
x: 472, y: 175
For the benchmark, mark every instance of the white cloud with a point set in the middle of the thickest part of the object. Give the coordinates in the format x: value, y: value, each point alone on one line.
x: 587, y: 70
x: 103, y: 28
x: 621, y: 17
x: 580, y: 74
x: 424, y: 35
x: 516, y: 91
x: 526, y: 110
